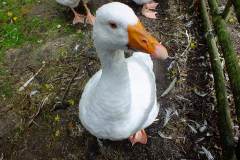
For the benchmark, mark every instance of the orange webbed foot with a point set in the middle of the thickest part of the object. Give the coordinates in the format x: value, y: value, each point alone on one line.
x: 147, y: 10
x: 139, y: 137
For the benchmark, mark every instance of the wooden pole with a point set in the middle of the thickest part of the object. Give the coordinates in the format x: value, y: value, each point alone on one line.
x: 229, y: 54
x: 236, y: 4
x: 224, y: 118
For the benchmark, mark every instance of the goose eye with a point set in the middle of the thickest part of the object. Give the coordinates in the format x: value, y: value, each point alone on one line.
x: 113, y: 25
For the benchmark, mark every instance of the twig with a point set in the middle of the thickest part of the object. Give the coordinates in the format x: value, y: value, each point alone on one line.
x: 38, y: 111
x: 57, y: 79
x: 60, y: 104
x: 207, y: 153
x: 168, y: 34
x: 2, y: 156
x: 36, y: 123
x: 31, y: 79
x: 189, y: 39
x: 172, y: 84
x: 192, y: 128
x: 70, y: 83
x: 164, y: 136
x: 183, y: 98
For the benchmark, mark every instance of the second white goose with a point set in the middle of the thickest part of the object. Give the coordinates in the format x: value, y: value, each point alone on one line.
x: 78, y: 18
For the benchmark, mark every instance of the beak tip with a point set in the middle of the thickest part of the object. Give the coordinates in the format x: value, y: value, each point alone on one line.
x: 160, y: 52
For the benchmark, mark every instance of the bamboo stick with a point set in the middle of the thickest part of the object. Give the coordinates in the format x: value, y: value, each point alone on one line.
x: 224, y: 118
x: 229, y: 54
x: 236, y: 4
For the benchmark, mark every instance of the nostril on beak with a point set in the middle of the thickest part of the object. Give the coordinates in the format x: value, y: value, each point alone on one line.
x: 144, y: 41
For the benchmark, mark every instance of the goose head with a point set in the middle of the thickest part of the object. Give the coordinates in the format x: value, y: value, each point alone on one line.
x: 118, y: 28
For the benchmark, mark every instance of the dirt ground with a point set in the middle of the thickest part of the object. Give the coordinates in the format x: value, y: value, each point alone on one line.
x: 41, y: 122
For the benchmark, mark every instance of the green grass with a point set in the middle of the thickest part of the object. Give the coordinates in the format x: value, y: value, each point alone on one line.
x: 18, y: 27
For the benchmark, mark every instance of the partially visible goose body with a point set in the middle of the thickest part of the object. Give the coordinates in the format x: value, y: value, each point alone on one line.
x: 119, y: 101
x: 148, y: 7
x: 78, y: 18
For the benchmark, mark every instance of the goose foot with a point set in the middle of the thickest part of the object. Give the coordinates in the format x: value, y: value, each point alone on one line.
x: 147, y: 10
x: 139, y: 137
x: 90, y: 17
x: 78, y: 18
x: 151, y: 5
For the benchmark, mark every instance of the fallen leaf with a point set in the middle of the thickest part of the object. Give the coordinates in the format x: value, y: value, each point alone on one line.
x: 15, y: 18
x: 49, y: 87
x: 193, y: 44
x: 57, y: 118
x: 71, y: 102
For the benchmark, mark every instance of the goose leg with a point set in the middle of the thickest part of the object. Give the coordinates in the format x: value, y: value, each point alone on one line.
x: 147, y: 10
x: 139, y: 137
x: 90, y: 17
x: 78, y: 18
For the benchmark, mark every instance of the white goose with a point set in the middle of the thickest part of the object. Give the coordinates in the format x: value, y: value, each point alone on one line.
x: 78, y: 17
x: 119, y: 101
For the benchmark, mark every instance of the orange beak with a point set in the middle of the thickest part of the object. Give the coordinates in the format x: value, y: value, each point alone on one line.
x: 141, y: 40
